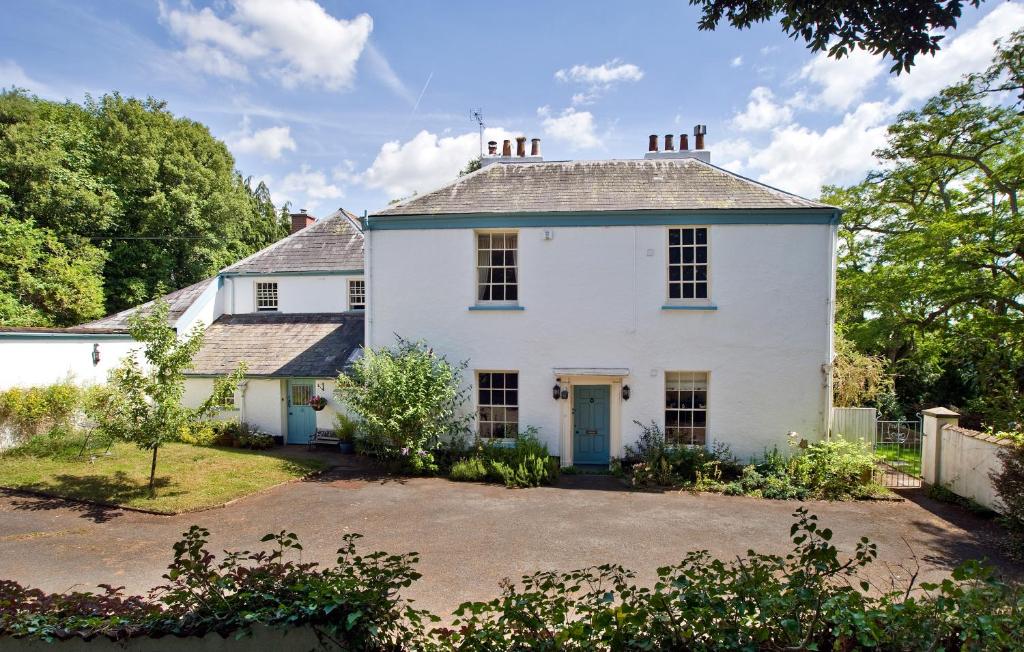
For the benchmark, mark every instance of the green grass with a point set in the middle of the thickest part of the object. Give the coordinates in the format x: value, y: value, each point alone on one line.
x: 902, y: 459
x: 188, y: 478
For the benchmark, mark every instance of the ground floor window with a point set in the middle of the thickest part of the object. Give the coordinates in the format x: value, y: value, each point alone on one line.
x: 497, y: 404
x: 686, y: 407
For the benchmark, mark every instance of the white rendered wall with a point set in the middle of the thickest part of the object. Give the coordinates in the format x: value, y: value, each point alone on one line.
x: 593, y: 297
x: 45, y: 360
x: 295, y: 294
x: 261, y: 404
x: 204, y: 310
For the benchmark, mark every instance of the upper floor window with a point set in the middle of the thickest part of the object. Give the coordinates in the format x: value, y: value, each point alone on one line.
x: 357, y: 295
x: 688, y: 263
x: 266, y: 296
x: 497, y: 274
x: 497, y: 404
x: 686, y: 407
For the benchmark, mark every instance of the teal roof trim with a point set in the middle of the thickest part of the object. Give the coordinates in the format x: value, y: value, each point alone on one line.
x: 328, y: 272
x: 561, y: 219
x: 81, y: 337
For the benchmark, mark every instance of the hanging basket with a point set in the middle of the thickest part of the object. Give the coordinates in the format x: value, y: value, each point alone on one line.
x: 318, y: 403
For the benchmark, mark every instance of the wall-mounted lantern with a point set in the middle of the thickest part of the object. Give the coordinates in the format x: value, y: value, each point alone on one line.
x: 565, y: 393
x: 625, y: 392
x: 95, y: 354
x: 556, y: 392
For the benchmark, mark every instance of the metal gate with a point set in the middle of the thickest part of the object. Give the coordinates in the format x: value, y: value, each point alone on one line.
x: 898, y: 447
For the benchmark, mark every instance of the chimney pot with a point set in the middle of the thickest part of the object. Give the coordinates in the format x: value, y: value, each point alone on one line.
x: 302, y: 211
x: 698, y: 136
x: 506, y: 148
x: 652, y: 143
x: 492, y: 147
x: 520, y: 146
x: 535, y: 147
x: 669, y: 145
x: 684, y: 142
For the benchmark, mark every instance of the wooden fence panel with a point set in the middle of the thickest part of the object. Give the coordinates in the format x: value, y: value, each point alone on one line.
x: 854, y: 423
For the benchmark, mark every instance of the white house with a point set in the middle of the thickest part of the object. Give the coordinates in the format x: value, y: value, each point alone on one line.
x: 585, y: 295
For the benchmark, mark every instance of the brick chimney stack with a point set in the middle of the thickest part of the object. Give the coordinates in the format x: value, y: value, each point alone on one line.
x: 301, y: 220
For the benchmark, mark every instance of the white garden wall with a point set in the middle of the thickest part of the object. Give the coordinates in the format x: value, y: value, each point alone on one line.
x: 42, y: 358
x: 959, y: 459
x: 593, y: 297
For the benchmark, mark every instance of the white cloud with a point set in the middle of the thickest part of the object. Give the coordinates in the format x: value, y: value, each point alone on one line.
x: 293, y: 41
x: 575, y: 128
x: 842, y: 82
x: 424, y: 162
x: 969, y: 52
x: 801, y: 160
x: 736, y: 62
x: 762, y: 112
x: 268, y: 143
x: 308, y: 186
x: 608, y: 73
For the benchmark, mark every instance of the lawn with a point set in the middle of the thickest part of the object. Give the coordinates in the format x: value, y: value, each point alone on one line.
x: 188, y: 478
x: 901, y: 458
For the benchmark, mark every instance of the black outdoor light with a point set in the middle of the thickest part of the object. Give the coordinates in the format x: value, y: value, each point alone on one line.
x: 95, y: 354
x: 565, y: 393
x: 625, y: 392
x: 556, y: 392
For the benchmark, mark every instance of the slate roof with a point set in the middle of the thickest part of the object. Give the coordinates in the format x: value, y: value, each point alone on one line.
x: 178, y: 302
x: 309, y: 345
x: 333, y: 243
x: 595, y: 186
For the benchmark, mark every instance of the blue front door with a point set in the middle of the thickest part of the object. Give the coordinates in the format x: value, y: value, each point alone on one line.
x: 301, y: 417
x: 591, y: 408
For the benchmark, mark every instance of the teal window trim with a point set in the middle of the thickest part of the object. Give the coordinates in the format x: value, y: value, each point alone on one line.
x: 80, y: 337
x: 669, y: 306
x: 605, y: 218
x: 499, y: 308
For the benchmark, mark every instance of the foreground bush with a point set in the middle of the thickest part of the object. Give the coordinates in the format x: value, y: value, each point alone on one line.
x: 522, y: 462
x: 811, y: 599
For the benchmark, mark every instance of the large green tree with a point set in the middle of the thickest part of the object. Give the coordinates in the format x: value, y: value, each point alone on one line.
x: 932, y: 263
x: 133, y: 199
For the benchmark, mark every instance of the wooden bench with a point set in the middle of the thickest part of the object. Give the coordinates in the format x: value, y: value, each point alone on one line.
x: 323, y: 438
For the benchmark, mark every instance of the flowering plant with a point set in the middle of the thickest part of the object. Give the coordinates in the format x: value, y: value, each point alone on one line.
x: 318, y: 403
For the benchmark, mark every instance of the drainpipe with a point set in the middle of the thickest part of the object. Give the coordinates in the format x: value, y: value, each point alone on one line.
x: 833, y: 235
x: 371, y: 303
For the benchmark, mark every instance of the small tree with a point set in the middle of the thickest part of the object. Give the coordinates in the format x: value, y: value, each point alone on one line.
x: 858, y: 378
x: 408, y: 396
x: 145, y: 407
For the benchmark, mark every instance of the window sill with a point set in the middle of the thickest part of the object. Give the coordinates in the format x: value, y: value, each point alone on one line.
x: 486, y: 307
x: 671, y: 306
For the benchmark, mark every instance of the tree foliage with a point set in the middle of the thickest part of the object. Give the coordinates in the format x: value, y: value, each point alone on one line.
x: 932, y: 255
x: 858, y: 379
x: 899, y: 29
x: 145, y: 407
x: 103, y: 205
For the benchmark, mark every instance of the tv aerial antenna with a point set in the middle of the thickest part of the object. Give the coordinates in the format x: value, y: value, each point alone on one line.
x: 477, y: 116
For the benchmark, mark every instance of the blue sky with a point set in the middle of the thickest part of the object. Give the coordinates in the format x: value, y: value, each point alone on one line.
x: 339, y: 103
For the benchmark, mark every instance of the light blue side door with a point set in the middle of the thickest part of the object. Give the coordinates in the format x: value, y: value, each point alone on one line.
x: 301, y: 417
x: 591, y: 407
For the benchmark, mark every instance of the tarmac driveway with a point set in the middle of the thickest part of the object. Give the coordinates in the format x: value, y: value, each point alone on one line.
x: 472, y: 536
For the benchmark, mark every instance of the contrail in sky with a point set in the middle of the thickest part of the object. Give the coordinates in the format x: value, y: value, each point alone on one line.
x: 417, y: 105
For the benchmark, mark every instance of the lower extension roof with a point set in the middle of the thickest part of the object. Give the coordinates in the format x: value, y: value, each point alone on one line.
x: 302, y: 345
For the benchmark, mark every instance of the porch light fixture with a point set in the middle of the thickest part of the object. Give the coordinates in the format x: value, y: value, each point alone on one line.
x: 95, y: 354
x: 556, y: 392
x: 565, y: 393
x: 625, y: 392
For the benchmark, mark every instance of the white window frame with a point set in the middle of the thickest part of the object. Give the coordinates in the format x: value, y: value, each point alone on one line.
x: 481, y: 406
x: 669, y: 299
x: 679, y: 410
x: 477, y: 267
x: 276, y: 296
x: 351, y: 304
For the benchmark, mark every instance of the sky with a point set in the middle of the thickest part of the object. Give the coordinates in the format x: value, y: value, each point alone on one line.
x: 338, y: 103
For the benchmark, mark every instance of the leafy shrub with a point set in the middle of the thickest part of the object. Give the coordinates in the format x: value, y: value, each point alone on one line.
x: 32, y: 411
x: 345, y: 428
x: 255, y: 440
x: 469, y: 470
x: 353, y: 605
x: 652, y: 461
x: 198, y: 434
x: 408, y: 399
x: 832, y: 470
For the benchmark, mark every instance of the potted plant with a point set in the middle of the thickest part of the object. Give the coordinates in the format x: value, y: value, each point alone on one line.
x: 318, y: 403
x: 345, y: 431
